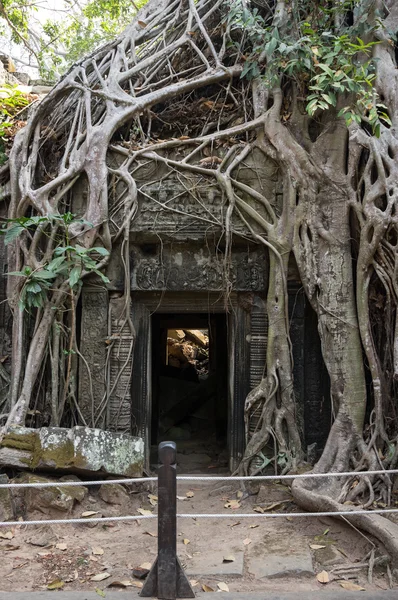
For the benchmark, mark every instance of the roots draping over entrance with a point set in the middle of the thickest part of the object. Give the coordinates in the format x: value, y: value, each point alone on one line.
x: 165, y: 103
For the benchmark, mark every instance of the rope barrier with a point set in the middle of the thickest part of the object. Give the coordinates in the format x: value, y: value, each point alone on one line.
x: 214, y: 479
x: 342, y: 513
x: 87, y: 520
x: 50, y: 484
x: 72, y: 521
x: 283, y: 477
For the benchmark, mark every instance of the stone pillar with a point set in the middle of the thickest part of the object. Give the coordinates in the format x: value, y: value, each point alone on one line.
x: 120, y: 369
x: 93, y: 337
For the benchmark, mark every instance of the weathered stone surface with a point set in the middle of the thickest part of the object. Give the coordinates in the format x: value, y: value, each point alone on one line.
x: 211, y: 564
x: 7, y: 511
x: 80, y: 450
x: 42, y: 499
x: 94, y: 331
x: 274, y: 566
x: 79, y: 492
x: 41, y: 89
x: 167, y: 269
x: 113, y: 493
x: 329, y: 556
x: 278, y: 556
x: 43, y: 536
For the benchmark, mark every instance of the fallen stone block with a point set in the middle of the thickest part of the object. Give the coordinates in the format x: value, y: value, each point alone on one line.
x: 41, y: 499
x: 113, y: 493
x: 79, y: 450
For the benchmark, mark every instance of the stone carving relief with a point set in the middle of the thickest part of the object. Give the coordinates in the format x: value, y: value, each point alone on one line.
x: 200, y: 269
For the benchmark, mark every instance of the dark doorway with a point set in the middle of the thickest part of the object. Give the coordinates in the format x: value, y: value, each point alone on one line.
x: 190, y: 388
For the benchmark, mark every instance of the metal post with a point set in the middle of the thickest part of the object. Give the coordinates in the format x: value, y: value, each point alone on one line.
x: 167, y: 579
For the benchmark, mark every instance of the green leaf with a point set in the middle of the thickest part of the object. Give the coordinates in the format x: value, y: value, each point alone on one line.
x: 74, y: 276
x: 33, y: 287
x: 43, y: 274
x: 325, y: 68
x: 100, y: 250
x: 18, y: 273
x: 330, y: 98
x: 55, y: 264
x: 61, y: 250
x: 13, y: 232
x: 103, y: 277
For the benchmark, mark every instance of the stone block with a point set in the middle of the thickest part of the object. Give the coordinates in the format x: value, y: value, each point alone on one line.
x: 113, y: 493
x: 210, y: 564
x: 278, y: 556
x: 58, y: 498
x: 77, y: 450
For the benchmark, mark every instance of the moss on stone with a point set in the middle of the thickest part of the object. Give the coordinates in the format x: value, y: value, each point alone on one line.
x: 20, y: 441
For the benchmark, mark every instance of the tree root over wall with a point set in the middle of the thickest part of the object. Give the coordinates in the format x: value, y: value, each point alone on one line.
x: 166, y: 104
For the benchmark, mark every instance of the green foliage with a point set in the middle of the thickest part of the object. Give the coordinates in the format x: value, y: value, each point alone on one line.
x: 68, y: 263
x: 331, y: 64
x: 17, y: 12
x: 12, y: 101
x: 59, y: 42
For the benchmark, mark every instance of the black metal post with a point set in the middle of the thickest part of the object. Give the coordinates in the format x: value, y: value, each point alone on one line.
x: 167, y: 579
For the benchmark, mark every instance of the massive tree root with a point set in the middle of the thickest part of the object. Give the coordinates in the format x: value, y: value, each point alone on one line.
x: 166, y: 101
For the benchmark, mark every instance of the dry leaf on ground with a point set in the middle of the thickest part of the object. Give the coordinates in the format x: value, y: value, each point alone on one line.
x: 190, y: 494
x: 316, y: 546
x: 258, y: 509
x: 57, y: 584
x: 323, y: 577
x: 239, y: 494
x: 144, y: 512
x: 62, y: 547
x: 98, y: 551
x: 254, y: 526
x: 181, y: 498
x: 137, y: 584
x: 352, y: 587
x: 247, y: 541
x: 153, y: 500
x: 100, y: 576
x: 207, y: 588
x: 155, y: 535
x: 193, y: 582
x: 90, y: 513
x: 6, y: 536
x: 186, y: 542
x: 146, y: 565
x: 233, y: 504
x: 100, y: 592
x: 223, y: 586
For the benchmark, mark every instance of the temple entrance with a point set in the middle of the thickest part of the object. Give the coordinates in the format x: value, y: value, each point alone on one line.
x: 190, y: 389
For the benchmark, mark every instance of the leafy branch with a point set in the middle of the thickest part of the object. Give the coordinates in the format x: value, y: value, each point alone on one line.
x: 68, y: 263
x: 326, y: 63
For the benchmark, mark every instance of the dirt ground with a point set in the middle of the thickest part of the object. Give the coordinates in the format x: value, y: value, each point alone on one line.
x: 69, y: 556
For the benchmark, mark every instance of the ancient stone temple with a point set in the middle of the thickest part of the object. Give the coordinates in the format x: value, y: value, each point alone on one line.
x: 179, y: 279
x: 168, y: 178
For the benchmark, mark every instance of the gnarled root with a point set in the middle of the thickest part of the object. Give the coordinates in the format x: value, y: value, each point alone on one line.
x: 315, y: 497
